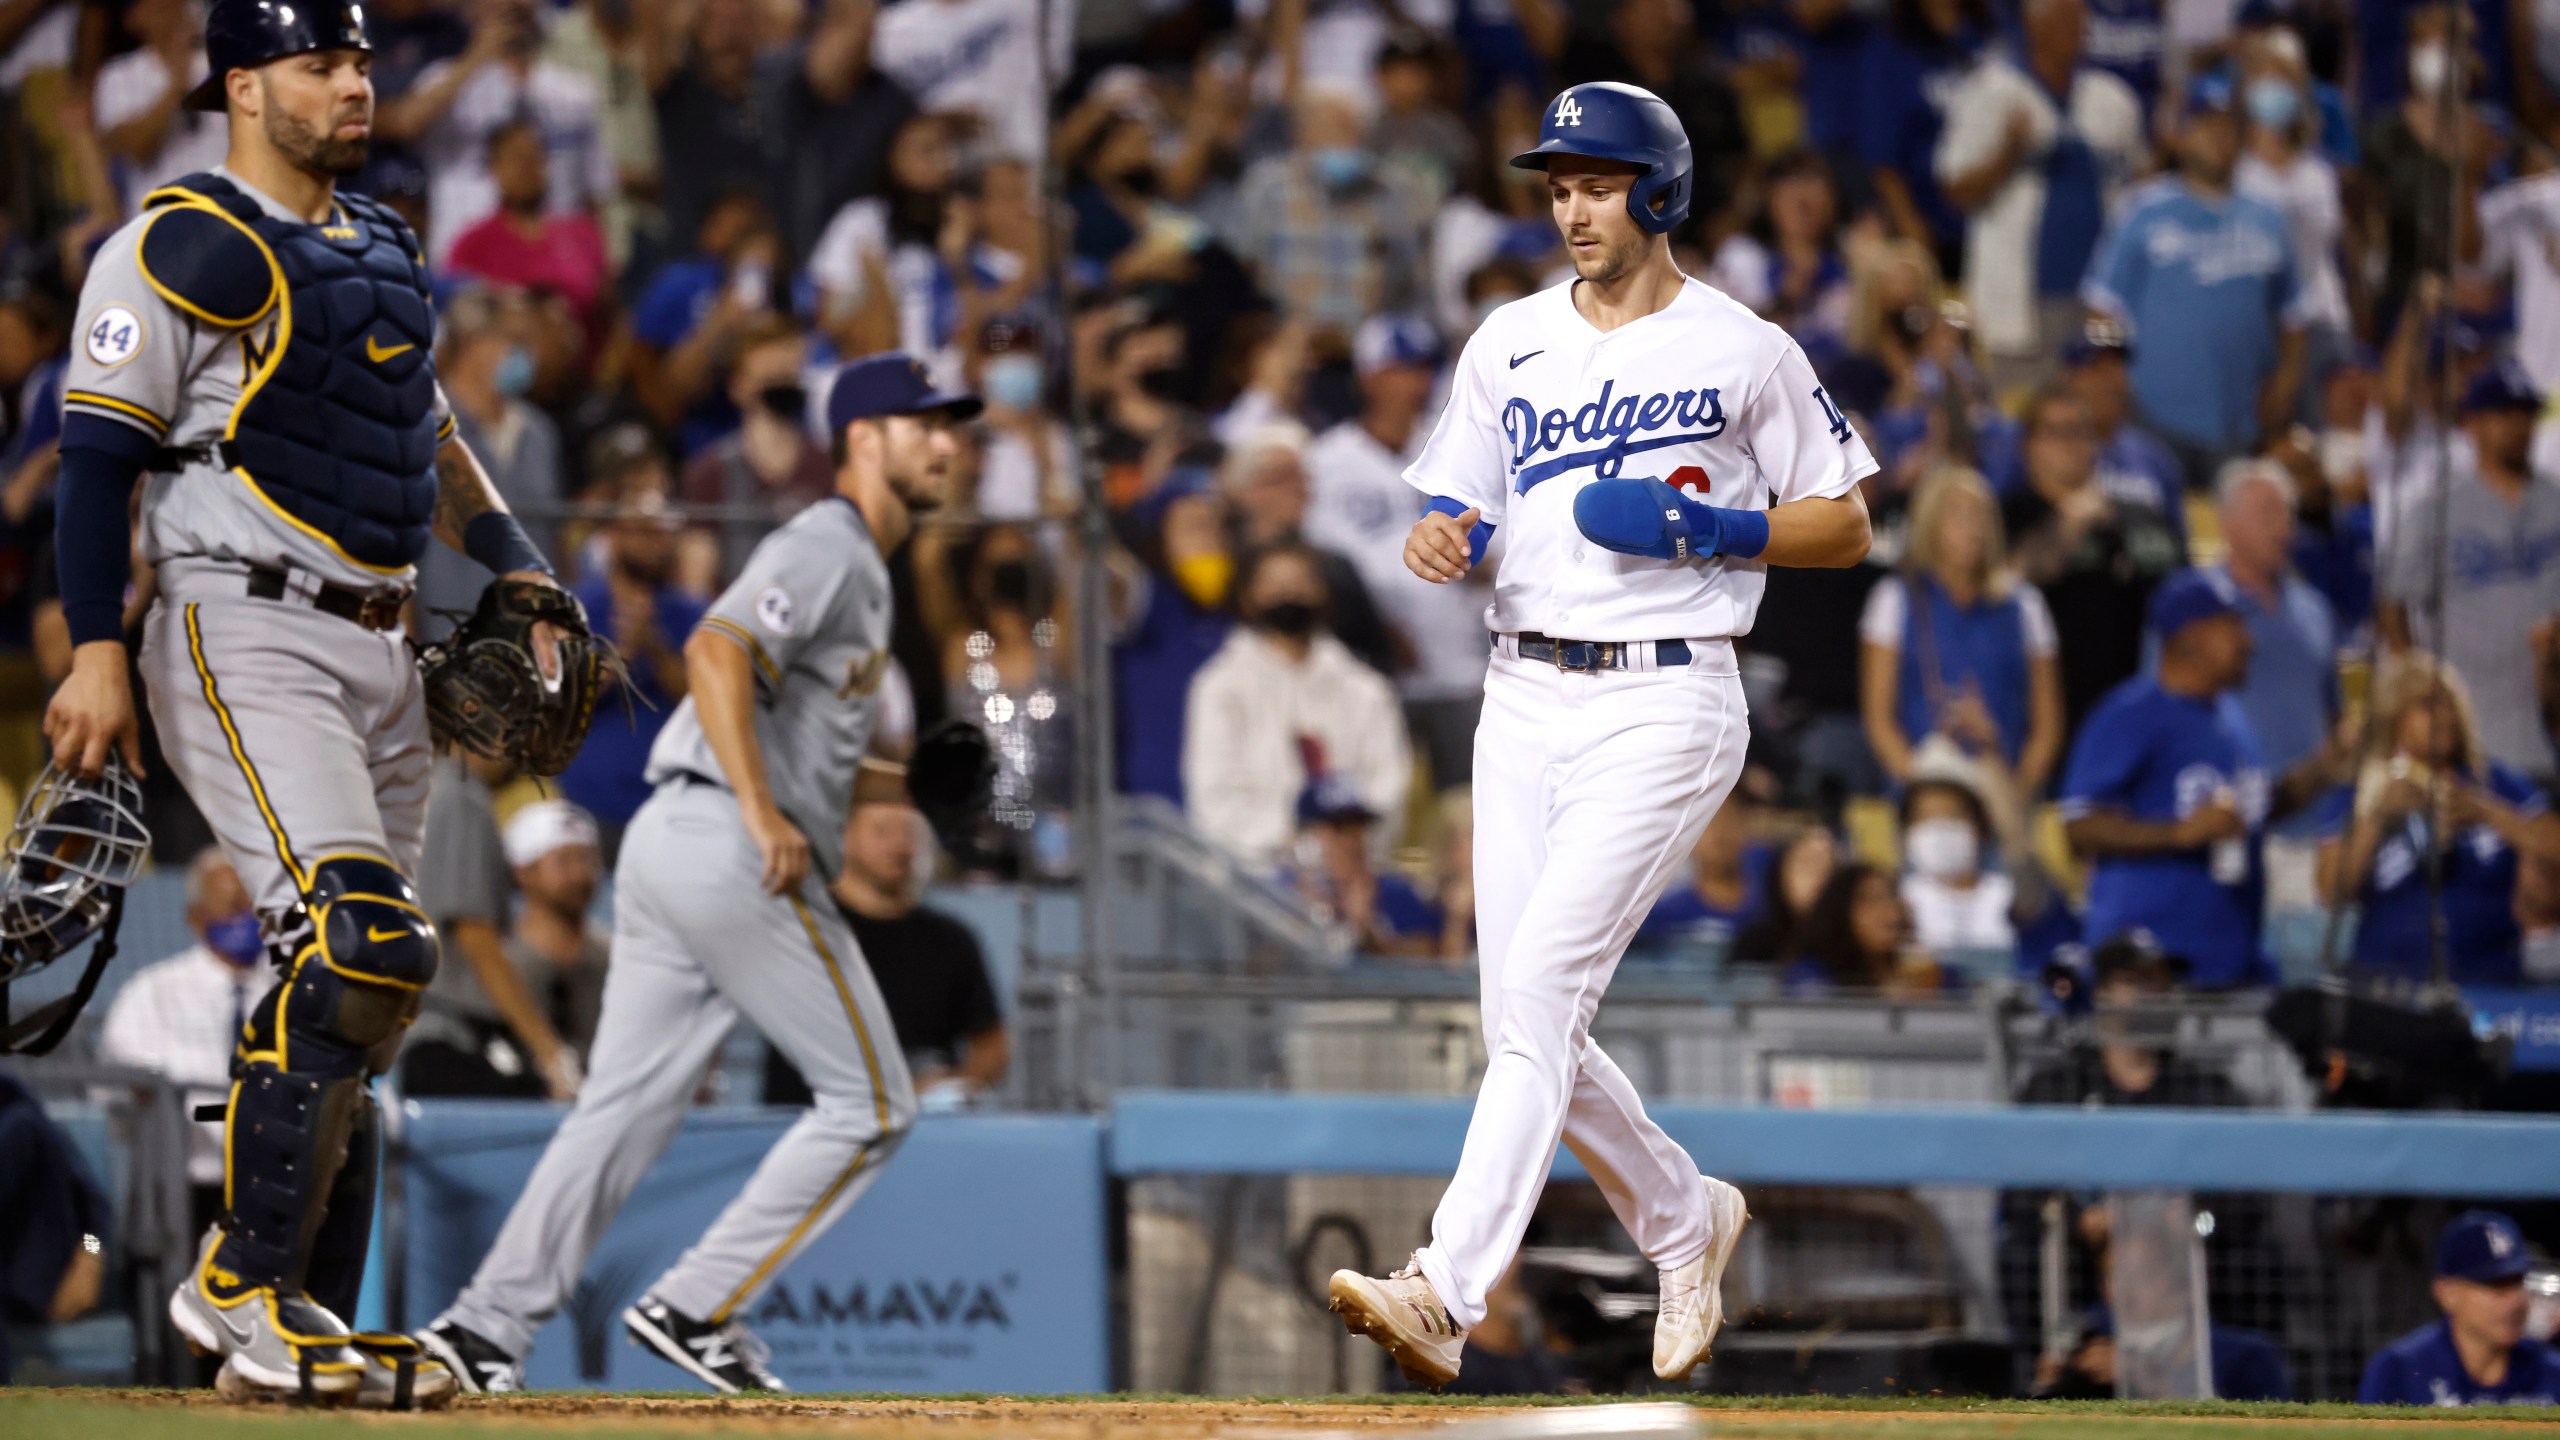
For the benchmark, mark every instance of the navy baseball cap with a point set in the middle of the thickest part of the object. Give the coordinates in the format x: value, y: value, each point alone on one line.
x: 2482, y: 1246
x: 2103, y: 335
x: 1329, y: 799
x: 2189, y: 596
x: 890, y: 384
x: 1385, y: 340
x: 2503, y: 386
x: 2210, y: 93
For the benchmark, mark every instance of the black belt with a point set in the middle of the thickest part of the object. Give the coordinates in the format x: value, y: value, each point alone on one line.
x: 173, y: 458
x: 1596, y: 654
x: 692, y: 777
x: 372, y: 609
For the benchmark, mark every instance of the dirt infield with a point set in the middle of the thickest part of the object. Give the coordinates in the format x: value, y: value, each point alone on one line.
x: 168, y: 1415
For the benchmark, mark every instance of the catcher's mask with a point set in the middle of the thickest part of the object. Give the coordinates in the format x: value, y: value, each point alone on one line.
x: 76, y: 844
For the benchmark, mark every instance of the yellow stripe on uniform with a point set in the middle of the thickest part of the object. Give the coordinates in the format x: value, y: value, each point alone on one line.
x: 879, y: 1112
x: 755, y: 647
x: 240, y: 753
x: 110, y: 402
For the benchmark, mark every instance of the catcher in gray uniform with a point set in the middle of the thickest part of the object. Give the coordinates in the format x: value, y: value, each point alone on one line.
x: 721, y: 910
x: 260, y: 347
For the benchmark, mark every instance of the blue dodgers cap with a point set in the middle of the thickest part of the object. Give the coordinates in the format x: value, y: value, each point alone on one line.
x: 1385, y: 340
x: 2482, y: 1246
x: 2210, y: 93
x: 2102, y: 335
x: 2503, y: 386
x: 890, y: 384
x: 1330, y: 799
x: 2189, y: 596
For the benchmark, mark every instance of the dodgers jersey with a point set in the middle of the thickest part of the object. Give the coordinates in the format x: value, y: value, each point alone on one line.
x: 141, y: 361
x: 1702, y: 393
x: 811, y: 609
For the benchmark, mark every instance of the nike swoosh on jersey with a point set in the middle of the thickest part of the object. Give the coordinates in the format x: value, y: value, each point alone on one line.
x: 1519, y: 360
x: 374, y: 352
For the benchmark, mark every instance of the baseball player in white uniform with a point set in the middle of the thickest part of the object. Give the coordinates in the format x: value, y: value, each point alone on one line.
x: 721, y: 910
x: 1648, y: 446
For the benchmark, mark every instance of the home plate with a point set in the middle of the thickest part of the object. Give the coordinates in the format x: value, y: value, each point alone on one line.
x: 1584, y: 1422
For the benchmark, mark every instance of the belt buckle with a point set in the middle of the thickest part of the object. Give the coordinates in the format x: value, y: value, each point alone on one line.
x: 1581, y: 657
x: 380, y: 611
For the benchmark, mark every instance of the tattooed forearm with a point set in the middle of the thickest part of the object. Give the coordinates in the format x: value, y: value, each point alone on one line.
x: 462, y: 491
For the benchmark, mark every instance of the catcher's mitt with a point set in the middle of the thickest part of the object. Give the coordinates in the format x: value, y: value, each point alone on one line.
x: 952, y: 777
x: 485, y: 689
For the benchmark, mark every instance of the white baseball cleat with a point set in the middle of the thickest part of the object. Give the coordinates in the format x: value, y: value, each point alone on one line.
x: 1684, y: 1331
x: 1404, y: 1315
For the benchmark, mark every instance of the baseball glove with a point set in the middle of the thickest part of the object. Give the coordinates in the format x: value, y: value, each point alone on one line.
x: 952, y: 777
x: 485, y: 690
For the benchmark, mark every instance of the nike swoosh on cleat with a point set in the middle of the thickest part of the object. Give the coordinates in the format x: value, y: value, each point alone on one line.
x: 1519, y: 360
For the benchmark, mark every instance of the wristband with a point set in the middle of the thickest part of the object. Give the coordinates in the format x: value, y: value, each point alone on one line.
x: 1743, y: 534
x: 1477, y: 538
x: 493, y: 538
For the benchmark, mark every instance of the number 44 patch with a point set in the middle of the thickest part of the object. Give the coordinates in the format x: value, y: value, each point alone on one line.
x: 114, y: 336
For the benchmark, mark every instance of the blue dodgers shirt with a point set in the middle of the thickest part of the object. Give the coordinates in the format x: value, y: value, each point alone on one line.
x: 2482, y: 942
x: 606, y: 779
x: 2422, y: 1368
x: 2154, y: 756
x: 1904, y: 85
x: 2207, y: 288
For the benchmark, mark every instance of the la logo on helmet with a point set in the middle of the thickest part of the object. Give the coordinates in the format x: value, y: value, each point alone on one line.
x: 1568, y: 110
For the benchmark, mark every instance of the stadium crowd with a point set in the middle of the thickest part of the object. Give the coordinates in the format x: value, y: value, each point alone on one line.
x: 2204, y: 346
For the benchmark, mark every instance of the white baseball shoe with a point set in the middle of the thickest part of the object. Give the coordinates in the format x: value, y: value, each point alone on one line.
x: 1684, y: 1331
x: 273, y: 1346
x: 1403, y: 1314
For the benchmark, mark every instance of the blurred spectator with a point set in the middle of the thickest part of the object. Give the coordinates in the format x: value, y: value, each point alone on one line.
x: 991, y: 605
x: 625, y: 53
x: 2424, y: 177
x: 1331, y: 236
x: 1857, y: 939
x: 552, y: 847
x: 2431, y: 819
x: 1786, y: 264
x: 2291, y: 696
x: 2129, y: 40
x: 1379, y: 912
x: 524, y: 245
x: 931, y: 973
x: 1283, y: 704
x: 1724, y: 889
x: 1909, y: 375
x: 1174, y: 618
x: 1414, y: 132
x: 1124, y: 235
x: 2472, y: 571
x: 695, y: 313
x: 2520, y: 245
x: 1264, y: 478
x: 1027, y: 465
x: 1913, y: 65
x: 633, y: 600
x: 141, y: 113
x: 983, y: 61
x: 2094, y: 556
x: 180, y: 1017
x: 485, y: 365
x: 1654, y: 43
x: 2205, y: 281
x: 1957, y: 897
x: 480, y: 1030
x: 2478, y: 1354
x: 1361, y: 506
x: 2133, y: 464
x: 1805, y: 864
x: 2283, y: 166
x: 2245, y: 1364
x: 2167, y: 793
x: 450, y: 112
x: 769, y: 468
x: 1955, y: 646
x: 1453, y: 855
x: 53, y: 1221
x: 2034, y: 147
x: 1494, y: 233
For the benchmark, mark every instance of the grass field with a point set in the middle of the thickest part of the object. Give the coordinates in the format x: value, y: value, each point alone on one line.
x: 166, y: 1415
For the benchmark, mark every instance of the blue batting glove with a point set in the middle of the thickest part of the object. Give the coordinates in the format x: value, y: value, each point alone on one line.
x: 1648, y: 517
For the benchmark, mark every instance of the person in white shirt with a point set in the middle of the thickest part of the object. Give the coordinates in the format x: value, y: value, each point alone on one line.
x: 2281, y: 164
x: 1360, y: 506
x: 141, y: 115
x: 1283, y: 703
x: 179, y: 1017
x: 1958, y: 898
x: 2033, y: 147
x: 980, y: 59
x: 2520, y: 243
x: 455, y: 105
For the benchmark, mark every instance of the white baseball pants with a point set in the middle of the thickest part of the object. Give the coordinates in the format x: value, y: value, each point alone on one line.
x: 1590, y: 790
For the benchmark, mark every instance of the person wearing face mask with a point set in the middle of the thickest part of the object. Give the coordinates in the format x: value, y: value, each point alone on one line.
x: 177, y: 1018
x: 1957, y: 901
x: 1330, y: 236
x: 2282, y: 165
x: 1026, y: 466
x: 769, y: 462
x: 1281, y: 703
x: 486, y: 365
x: 523, y: 245
x: 2422, y: 164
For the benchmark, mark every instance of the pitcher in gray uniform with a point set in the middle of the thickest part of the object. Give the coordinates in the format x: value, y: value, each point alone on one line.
x: 260, y: 346
x: 721, y: 910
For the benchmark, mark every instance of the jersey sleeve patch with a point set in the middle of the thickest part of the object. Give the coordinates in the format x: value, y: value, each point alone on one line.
x: 775, y: 611
x: 207, y: 264
x: 112, y: 336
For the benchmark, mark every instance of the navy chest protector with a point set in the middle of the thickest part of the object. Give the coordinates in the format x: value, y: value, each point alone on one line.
x: 336, y: 426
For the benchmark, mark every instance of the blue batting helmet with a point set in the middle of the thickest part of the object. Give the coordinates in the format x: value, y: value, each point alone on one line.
x: 1607, y: 120
x: 244, y: 34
